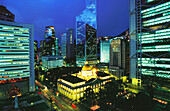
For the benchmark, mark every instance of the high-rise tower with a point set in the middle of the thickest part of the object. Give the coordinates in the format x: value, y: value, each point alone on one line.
x: 57, y: 46
x: 86, y: 25
x: 50, y: 40
x: 70, y: 44
x: 63, y: 44
x: 118, y: 57
x: 16, y: 56
x: 149, y: 38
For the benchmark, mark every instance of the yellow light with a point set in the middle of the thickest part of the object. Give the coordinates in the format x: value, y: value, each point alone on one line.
x: 45, y: 88
x: 94, y: 70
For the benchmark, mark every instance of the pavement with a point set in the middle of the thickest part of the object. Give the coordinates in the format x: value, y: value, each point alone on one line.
x: 58, y: 103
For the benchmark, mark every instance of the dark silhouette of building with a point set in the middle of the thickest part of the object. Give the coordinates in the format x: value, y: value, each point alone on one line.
x: 6, y: 15
x: 70, y: 44
x: 42, y: 48
x: 35, y: 52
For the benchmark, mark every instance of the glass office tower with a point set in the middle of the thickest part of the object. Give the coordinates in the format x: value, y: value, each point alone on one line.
x: 86, y: 19
x: 63, y: 44
x: 150, y: 38
x: 17, y: 55
x: 57, y: 46
x: 50, y: 40
x: 105, y: 51
x: 70, y: 44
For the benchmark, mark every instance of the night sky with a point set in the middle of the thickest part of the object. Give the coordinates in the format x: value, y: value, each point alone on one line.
x: 112, y: 15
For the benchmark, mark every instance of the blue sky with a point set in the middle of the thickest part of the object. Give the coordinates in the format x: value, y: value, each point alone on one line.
x: 112, y: 15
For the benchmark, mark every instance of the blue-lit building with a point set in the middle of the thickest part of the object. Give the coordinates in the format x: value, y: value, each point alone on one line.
x: 57, y: 46
x: 86, y: 41
x: 16, y: 56
x: 63, y: 44
x: 104, y: 51
x: 149, y: 38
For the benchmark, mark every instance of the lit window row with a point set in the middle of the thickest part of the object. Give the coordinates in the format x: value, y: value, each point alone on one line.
x: 14, y: 28
x: 6, y: 34
x: 157, y: 47
x: 13, y: 72
x: 157, y: 21
x: 156, y: 7
x: 156, y: 59
x: 150, y: 0
x: 14, y: 63
x: 162, y: 11
x: 15, y: 57
x: 154, y: 50
x: 155, y: 65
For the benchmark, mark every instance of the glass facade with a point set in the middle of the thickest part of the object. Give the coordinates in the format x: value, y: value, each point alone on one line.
x: 70, y: 44
x: 16, y: 51
x: 153, y: 38
x: 50, y: 40
x: 35, y: 52
x: 155, y: 43
x: 57, y: 48
x: 105, y: 51
x: 63, y: 44
x: 88, y: 16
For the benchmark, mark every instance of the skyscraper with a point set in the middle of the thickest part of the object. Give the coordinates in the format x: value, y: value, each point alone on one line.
x: 42, y: 48
x: 118, y: 57
x: 57, y: 46
x: 35, y: 52
x: 16, y: 56
x: 70, y: 44
x: 86, y: 25
x: 105, y: 51
x: 63, y: 44
x: 149, y: 38
x: 50, y: 40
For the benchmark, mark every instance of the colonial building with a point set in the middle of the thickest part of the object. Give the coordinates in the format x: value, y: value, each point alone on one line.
x: 75, y: 85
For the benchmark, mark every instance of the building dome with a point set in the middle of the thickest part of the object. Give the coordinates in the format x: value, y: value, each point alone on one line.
x: 86, y: 68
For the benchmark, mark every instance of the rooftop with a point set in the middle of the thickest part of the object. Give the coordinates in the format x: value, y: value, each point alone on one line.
x: 5, y: 10
x: 102, y: 74
x: 72, y: 79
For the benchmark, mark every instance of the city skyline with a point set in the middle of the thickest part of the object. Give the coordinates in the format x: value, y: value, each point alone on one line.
x: 112, y: 16
x: 88, y: 59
